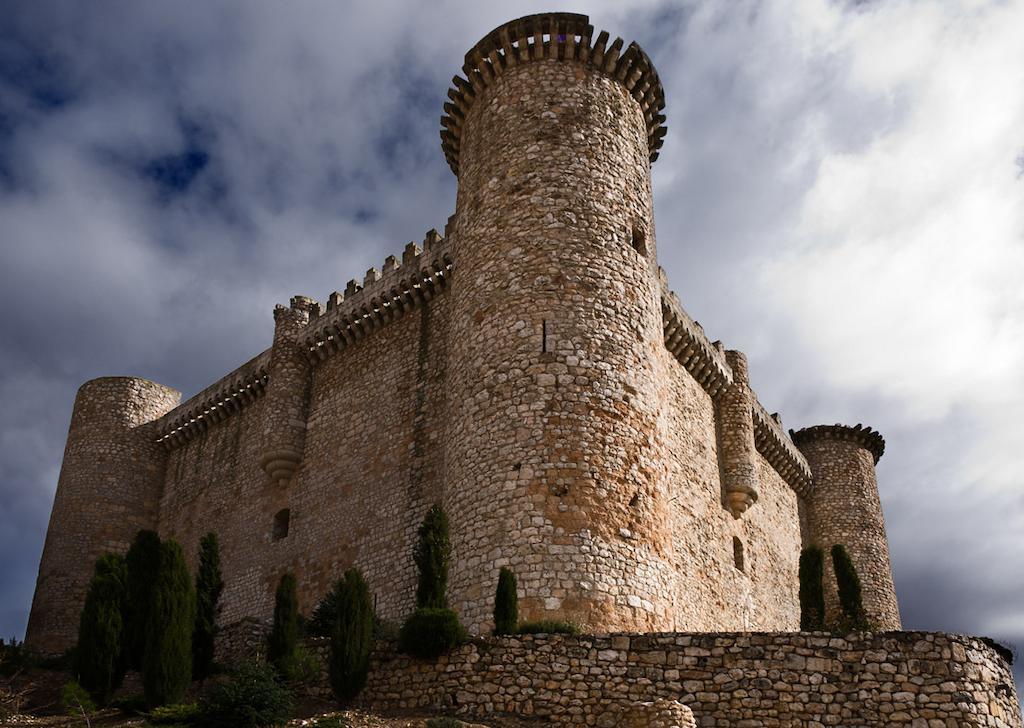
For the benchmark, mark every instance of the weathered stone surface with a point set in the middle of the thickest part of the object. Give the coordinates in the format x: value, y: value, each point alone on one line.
x: 532, y: 371
x: 795, y: 680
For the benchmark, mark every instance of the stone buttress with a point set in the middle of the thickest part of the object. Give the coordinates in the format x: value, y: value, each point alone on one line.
x: 844, y: 508
x: 109, y: 489
x: 552, y: 460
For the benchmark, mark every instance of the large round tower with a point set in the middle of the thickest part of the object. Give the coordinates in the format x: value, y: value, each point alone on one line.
x: 844, y: 508
x: 551, y: 455
x: 109, y: 489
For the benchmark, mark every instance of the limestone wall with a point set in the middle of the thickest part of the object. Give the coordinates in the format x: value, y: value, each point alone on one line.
x: 367, y: 475
x: 795, y: 680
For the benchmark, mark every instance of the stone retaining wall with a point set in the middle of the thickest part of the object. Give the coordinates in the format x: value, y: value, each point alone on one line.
x: 917, y: 679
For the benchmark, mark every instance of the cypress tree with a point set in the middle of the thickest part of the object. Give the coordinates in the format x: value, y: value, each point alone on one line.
x: 431, y: 555
x: 99, y: 663
x: 812, y: 594
x: 506, y: 603
x: 208, y: 588
x: 284, y: 636
x: 142, y: 562
x: 848, y: 584
x: 167, y: 667
x: 351, y: 637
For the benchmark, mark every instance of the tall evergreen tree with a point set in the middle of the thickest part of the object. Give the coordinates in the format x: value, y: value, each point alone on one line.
x: 352, y: 636
x: 506, y: 603
x: 432, y: 553
x: 209, y: 585
x: 812, y: 593
x: 99, y: 663
x: 142, y: 562
x: 167, y: 667
x: 848, y: 584
x: 284, y: 635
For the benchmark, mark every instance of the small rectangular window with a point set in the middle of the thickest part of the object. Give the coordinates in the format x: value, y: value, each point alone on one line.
x: 282, y: 521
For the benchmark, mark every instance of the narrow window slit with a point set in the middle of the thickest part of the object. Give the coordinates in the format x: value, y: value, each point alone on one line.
x: 282, y: 521
x: 737, y: 554
x: 544, y: 337
x: 639, y: 241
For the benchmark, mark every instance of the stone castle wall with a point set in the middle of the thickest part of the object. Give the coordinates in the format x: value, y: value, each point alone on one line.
x: 530, y: 370
x: 796, y: 680
x: 368, y: 473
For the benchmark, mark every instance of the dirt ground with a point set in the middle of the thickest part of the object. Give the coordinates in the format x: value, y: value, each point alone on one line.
x: 32, y: 698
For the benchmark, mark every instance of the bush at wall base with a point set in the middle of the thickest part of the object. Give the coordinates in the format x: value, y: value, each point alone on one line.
x: 812, y: 593
x: 506, y: 603
x: 251, y: 697
x: 167, y: 664
x: 351, y: 637
x: 429, y: 633
x: 99, y: 666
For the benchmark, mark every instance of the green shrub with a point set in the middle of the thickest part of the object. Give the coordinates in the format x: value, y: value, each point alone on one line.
x: 548, y: 627
x: 301, y: 668
x: 176, y: 714
x: 444, y: 723
x: 848, y: 584
x: 167, y: 667
x: 76, y: 703
x: 432, y: 553
x: 351, y: 636
x: 428, y: 633
x: 209, y: 586
x: 251, y: 697
x: 506, y: 603
x: 99, y: 666
x: 812, y: 594
x: 284, y: 635
x: 142, y: 562
x: 322, y: 621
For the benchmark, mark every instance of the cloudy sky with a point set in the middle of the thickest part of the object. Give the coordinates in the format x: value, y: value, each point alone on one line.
x: 841, y: 196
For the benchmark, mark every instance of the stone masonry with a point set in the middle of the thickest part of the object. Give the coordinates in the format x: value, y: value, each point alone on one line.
x: 529, y: 369
x: 727, y: 680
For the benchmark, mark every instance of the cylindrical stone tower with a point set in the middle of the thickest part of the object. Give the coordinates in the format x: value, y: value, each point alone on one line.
x: 844, y: 508
x: 284, y: 425
x: 109, y: 489
x: 737, y: 452
x: 551, y: 456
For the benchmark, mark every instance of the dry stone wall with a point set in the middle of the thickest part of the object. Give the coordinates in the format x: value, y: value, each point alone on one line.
x: 734, y: 680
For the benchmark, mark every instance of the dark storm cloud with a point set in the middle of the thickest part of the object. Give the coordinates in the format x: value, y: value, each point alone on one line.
x: 168, y: 172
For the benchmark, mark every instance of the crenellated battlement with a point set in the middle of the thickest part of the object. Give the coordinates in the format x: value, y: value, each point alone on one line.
x: 706, y: 362
x: 383, y: 296
x: 554, y: 36
x: 686, y: 339
x: 780, y: 451
x: 225, y: 397
x: 871, y: 440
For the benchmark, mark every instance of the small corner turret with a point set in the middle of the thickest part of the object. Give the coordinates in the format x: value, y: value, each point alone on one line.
x: 844, y: 508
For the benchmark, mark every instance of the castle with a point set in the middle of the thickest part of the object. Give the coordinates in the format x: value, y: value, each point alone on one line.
x: 530, y: 370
